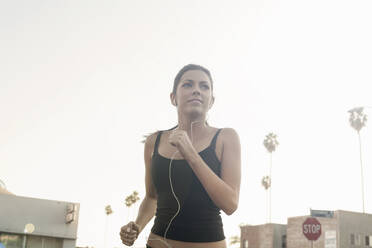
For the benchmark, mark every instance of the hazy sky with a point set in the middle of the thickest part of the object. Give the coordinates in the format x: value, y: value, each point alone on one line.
x: 82, y: 81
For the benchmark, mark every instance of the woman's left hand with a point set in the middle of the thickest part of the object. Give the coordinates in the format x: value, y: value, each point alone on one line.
x: 181, y: 140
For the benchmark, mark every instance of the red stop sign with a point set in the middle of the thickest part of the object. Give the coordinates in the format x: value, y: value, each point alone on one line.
x: 311, y: 228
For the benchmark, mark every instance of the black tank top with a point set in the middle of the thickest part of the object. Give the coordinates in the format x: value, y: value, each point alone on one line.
x: 199, y: 218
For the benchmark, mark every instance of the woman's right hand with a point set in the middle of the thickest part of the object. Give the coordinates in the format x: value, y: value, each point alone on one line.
x: 129, y: 233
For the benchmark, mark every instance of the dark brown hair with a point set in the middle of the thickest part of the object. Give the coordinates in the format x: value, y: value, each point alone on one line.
x: 190, y: 67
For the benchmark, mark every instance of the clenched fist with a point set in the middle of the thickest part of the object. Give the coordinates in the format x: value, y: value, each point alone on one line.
x: 129, y: 233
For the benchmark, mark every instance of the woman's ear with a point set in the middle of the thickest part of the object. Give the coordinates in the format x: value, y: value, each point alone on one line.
x: 173, y: 99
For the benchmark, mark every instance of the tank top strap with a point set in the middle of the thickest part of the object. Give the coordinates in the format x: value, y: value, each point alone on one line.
x: 214, y: 140
x: 157, y: 142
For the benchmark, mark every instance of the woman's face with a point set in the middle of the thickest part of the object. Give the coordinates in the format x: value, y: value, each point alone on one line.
x: 194, y: 93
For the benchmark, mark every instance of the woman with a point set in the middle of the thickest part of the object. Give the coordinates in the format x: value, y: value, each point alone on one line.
x: 192, y: 172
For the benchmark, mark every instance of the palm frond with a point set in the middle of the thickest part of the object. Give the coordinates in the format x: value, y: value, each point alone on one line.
x: 357, y: 118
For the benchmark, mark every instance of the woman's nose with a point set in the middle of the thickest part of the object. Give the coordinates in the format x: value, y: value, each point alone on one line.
x: 196, y: 91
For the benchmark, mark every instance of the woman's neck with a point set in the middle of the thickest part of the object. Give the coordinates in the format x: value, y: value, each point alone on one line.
x: 193, y: 127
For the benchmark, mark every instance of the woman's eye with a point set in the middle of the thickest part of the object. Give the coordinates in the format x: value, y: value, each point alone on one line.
x: 187, y: 85
x: 205, y: 86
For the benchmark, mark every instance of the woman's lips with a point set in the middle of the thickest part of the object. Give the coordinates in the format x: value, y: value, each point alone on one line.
x: 195, y: 100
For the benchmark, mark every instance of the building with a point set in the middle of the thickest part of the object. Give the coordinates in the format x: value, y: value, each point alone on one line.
x: 36, y: 223
x: 263, y: 236
x: 344, y: 229
x: 338, y: 229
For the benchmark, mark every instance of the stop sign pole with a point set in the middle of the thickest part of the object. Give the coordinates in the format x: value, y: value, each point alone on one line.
x: 312, y: 229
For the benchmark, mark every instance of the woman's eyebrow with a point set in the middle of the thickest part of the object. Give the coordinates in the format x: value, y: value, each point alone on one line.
x: 192, y: 81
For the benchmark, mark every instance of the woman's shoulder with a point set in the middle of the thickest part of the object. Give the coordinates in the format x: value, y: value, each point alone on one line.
x: 228, y: 130
x: 227, y: 139
x: 151, y: 138
x: 229, y: 134
x: 164, y: 131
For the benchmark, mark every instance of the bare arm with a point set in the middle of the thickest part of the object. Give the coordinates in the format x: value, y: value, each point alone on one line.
x: 223, y: 191
x: 148, y: 205
x: 129, y: 233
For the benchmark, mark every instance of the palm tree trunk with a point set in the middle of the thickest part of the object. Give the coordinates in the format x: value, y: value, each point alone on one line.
x: 271, y: 163
x: 361, y: 169
x: 128, y: 213
x: 104, y: 242
x: 267, y: 205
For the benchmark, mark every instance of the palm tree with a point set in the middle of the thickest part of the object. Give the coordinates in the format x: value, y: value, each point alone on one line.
x: 108, y: 211
x: 270, y: 143
x: 357, y: 121
x: 131, y: 200
x: 234, y: 240
x: 266, y: 182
